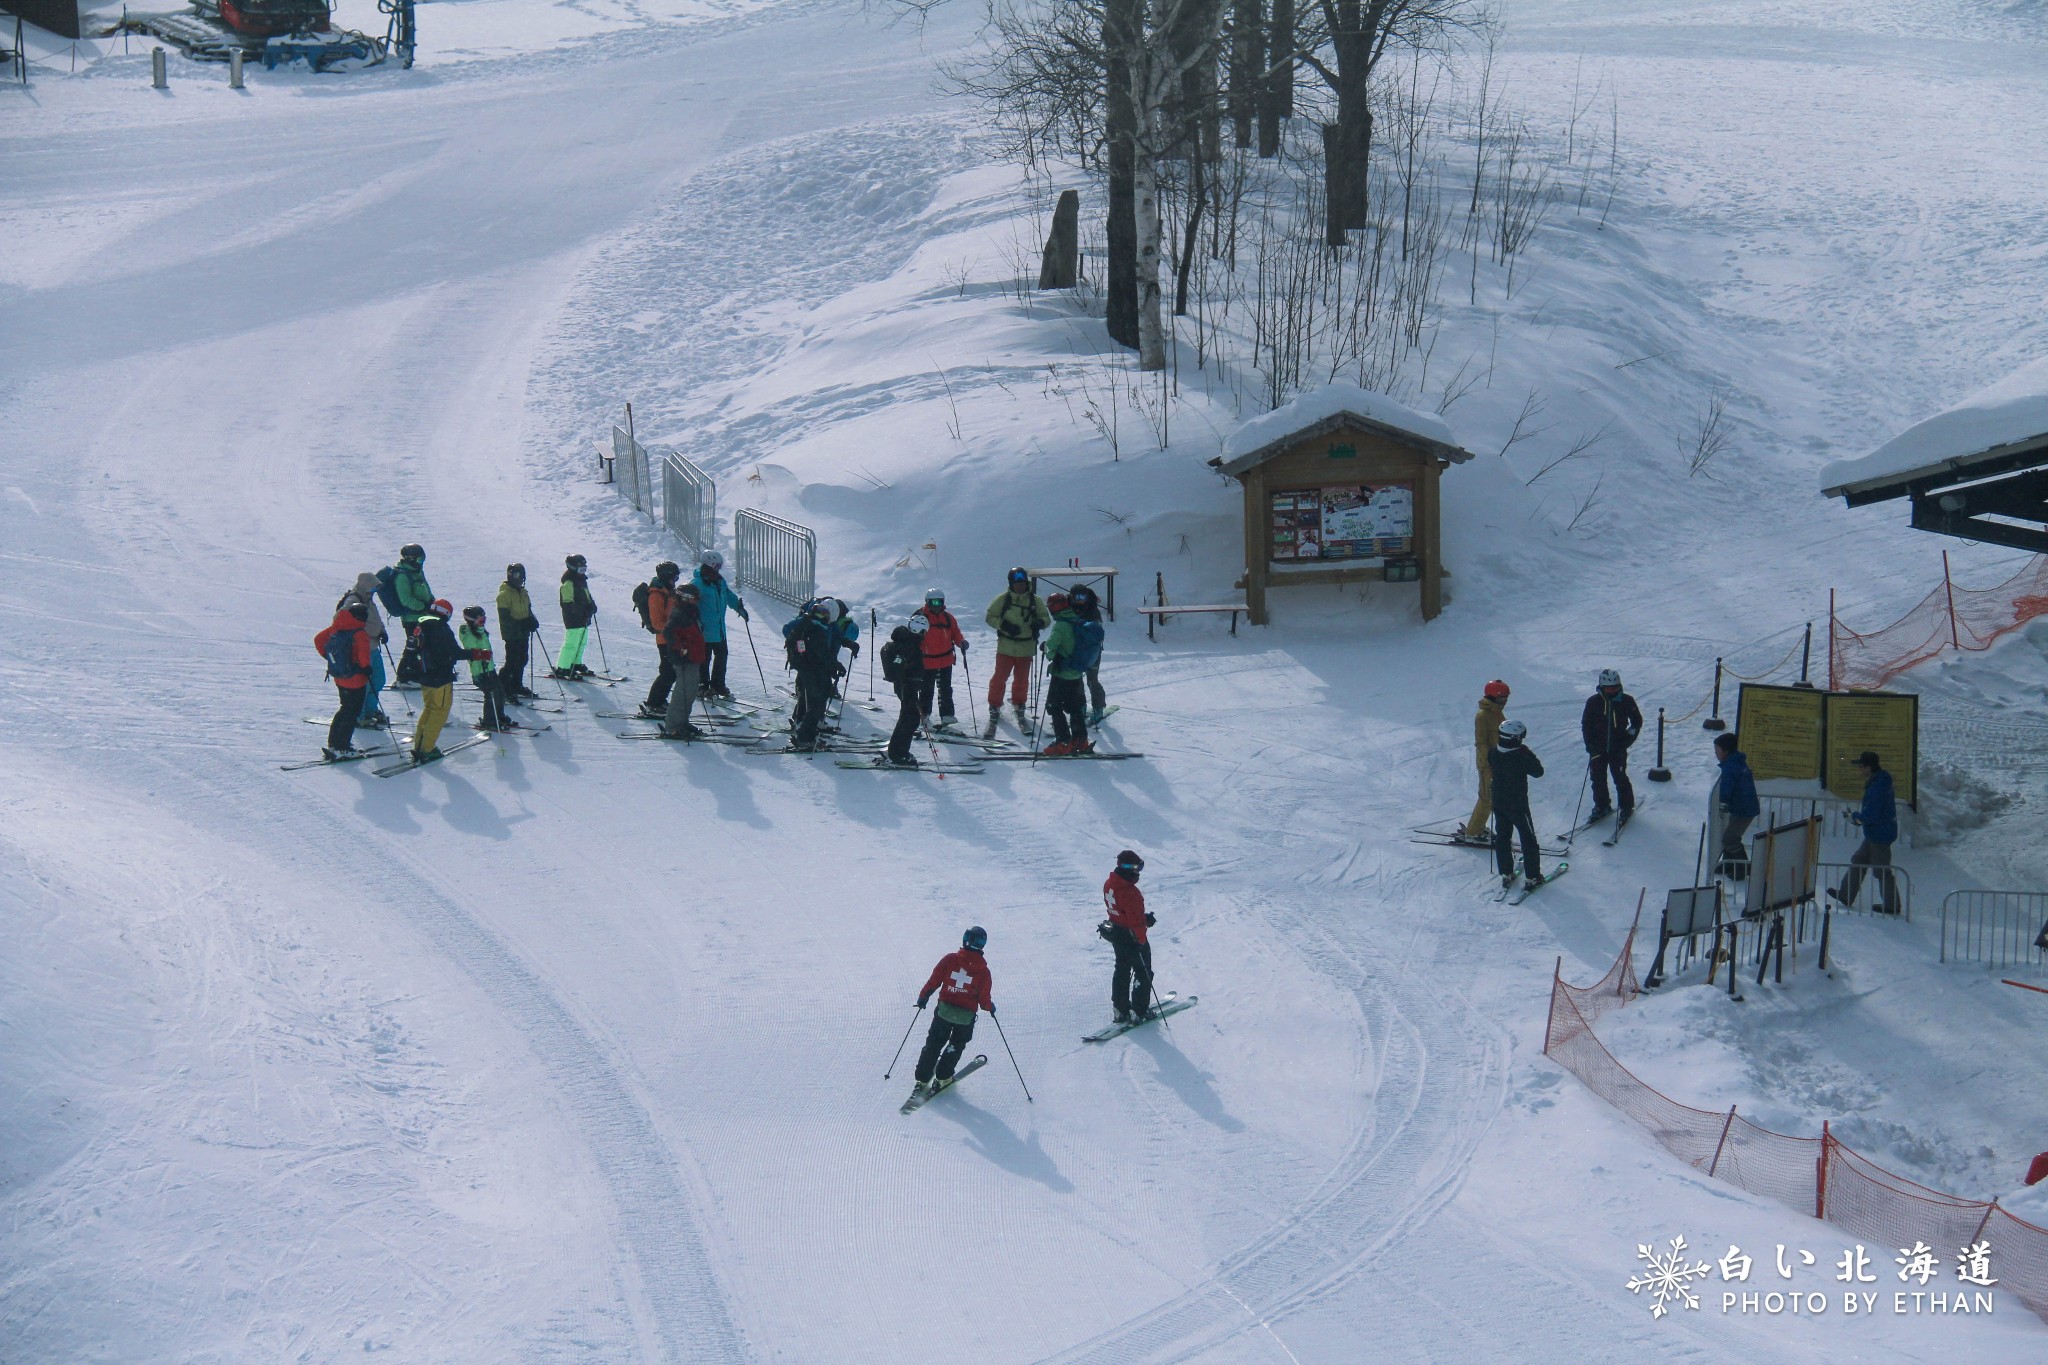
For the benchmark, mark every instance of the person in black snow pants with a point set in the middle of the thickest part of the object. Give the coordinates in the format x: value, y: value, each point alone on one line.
x: 1512, y: 764
x: 903, y: 666
x: 1610, y: 725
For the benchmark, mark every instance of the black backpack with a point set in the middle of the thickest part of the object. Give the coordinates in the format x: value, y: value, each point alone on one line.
x: 902, y: 657
x: 640, y: 605
x: 341, y: 654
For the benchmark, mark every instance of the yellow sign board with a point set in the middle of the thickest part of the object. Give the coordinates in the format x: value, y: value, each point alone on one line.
x: 1885, y: 723
x: 1781, y: 730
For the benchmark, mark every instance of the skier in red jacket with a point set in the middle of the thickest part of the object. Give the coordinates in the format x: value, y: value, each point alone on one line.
x: 963, y: 982
x: 345, y: 644
x: 1125, y: 930
x: 942, y: 637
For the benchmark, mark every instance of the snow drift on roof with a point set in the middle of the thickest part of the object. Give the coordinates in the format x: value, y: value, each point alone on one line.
x: 2014, y: 409
x: 1326, y: 402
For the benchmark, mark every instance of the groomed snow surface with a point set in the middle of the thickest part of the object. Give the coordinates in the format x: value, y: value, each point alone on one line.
x: 573, y: 1049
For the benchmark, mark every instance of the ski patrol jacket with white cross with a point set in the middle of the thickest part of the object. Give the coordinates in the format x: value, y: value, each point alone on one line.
x: 1126, y: 905
x: 962, y: 981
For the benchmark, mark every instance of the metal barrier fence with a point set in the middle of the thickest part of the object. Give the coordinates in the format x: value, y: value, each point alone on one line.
x: 629, y: 471
x: 1833, y: 812
x: 689, y: 503
x: 1869, y: 895
x: 777, y: 557
x: 1997, y: 928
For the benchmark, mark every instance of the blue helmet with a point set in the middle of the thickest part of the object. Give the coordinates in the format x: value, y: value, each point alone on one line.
x: 975, y: 938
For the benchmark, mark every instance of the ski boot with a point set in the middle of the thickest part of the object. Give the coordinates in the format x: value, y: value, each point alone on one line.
x: 1023, y: 718
x: 376, y: 720
x: 649, y: 711
x: 336, y: 755
x: 1059, y: 748
x: 1083, y: 746
x: 893, y: 761
x: 1096, y: 717
x: 988, y: 731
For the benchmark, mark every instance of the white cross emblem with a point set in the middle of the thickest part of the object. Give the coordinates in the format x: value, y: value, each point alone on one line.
x: 962, y: 978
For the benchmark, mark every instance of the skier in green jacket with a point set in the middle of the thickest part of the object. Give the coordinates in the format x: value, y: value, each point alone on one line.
x: 409, y: 585
x: 1018, y: 616
x: 517, y: 624
x: 475, y: 639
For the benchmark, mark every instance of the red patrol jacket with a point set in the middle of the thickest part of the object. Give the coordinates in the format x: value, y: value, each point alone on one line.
x: 961, y: 979
x: 1126, y: 905
x: 941, y: 637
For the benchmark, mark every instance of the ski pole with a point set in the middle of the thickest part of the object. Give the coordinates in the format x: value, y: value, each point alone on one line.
x: 1585, y: 779
x: 968, y: 674
x: 924, y: 723
x: 1038, y: 700
x: 564, y: 696
x: 899, y: 1047
x: 392, y: 686
x: 757, y: 656
x: 599, y: 632
x: 1013, y: 1057
x: 871, y: 653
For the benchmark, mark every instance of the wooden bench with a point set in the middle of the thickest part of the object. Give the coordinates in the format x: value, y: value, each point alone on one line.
x: 1153, y: 615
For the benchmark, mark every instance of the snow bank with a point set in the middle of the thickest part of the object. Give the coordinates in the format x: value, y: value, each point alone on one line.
x: 1320, y: 404
x: 2014, y: 409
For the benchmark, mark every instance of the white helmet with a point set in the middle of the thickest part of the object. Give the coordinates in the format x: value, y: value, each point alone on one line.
x: 1513, y: 732
x: 1609, y: 678
x: 916, y: 625
x: 711, y: 559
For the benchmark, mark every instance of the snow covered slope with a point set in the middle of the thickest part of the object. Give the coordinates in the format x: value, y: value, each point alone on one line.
x: 572, y: 1047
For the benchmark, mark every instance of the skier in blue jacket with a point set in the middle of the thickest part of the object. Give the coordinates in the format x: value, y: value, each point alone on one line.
x: 1735, y: 795
x: 1879, y: 818
x: 714, y: 595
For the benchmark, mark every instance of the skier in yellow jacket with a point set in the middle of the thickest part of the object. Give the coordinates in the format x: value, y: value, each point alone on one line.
x: 1485, y: 734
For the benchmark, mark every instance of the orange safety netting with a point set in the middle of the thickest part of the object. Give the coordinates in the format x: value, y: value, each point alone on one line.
x: 1950, y: 617
x: 1818, y: 1176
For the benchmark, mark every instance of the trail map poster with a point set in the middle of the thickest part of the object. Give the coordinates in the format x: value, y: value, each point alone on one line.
x: 1887, y: 724
x: 1350, y: 521
x: 1780, y: 729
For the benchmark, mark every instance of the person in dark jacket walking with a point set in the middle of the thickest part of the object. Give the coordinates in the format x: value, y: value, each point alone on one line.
x: 902, y: 658
x: 1130, y: 983
x: 579, y: 611
x: 516, y: 626
x: 439, y: 653
x: 1610, y: 725
x: 1511, y: 764
x: 1735, y: 797
x: 812, y: 652
x: 963, y: 982
x: 1879, y: 819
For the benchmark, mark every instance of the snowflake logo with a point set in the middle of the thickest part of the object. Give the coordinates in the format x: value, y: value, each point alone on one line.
x: 1667, y: 1277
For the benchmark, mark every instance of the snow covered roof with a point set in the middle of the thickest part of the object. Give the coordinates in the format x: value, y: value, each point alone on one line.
x: 1327, y: 408
x: 2002, y: 421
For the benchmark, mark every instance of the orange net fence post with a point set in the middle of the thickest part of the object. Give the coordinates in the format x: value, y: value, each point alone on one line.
x: 1949, y: 617
x: 1819, y: 1176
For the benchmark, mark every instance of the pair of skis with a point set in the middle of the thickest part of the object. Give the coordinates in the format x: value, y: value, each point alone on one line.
x: 919, y: 1098
x: 1166, y: 1006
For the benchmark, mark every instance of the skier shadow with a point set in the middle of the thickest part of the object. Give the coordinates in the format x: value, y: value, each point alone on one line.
x: 1186, y: 1079
x: 470, y: 811
x: 726, y: 779
x: 992, y: 1138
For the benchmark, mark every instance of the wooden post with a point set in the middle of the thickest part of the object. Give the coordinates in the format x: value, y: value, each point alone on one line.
x: 1833, y: 684
x: 1715, y: 1165
x: 1984, y: 1222
x: 1556, y: 975
x: 1948, y: 585
x: 1428, y: 493
x: 1820, y: 1175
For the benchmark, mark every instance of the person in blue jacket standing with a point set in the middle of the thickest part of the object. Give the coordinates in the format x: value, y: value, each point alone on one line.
x: 714, y: 595
x: 1879, y: 820
x: 1735, y: 795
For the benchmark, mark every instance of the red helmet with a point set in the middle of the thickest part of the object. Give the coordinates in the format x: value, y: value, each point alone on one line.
x: 442, y: 608
x: 1497, y: 690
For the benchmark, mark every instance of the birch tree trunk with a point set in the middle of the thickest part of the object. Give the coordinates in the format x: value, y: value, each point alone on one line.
x: 1145, y: 212
x: 1123, y: 23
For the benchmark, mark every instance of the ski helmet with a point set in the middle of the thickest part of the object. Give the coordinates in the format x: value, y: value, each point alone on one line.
x: 1512, y: 733
x: 1019, y: 576
x: 515, y: 574
x: 1497, y: 690
x: 934, y: 598
x: 712, y: 560
x: 1609, y: 678
x: 412, y: 554
x: 917, y: 625
x: 1056, y: 603
x: 442, y: 608
x: 1127, y: 861
x: 473, y: 615
x: 667, y: 571
x: 687, y: 592
x: 975, y: 938
x: 576, y: 562
x: 839, y: 612
x: 820, y: 609
x: 1081, y: 595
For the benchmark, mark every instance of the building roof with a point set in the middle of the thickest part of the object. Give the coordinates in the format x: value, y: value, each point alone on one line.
x: 1328, y: 409
x: 1997, y: 429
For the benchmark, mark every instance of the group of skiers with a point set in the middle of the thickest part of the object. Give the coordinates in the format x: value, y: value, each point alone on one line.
x: 964, y: 985
x: 356, y: 645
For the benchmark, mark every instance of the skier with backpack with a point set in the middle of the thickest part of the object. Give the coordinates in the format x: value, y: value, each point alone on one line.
x: 364, y: 595
x: 1088, y: 607
x: 517, y: 624
x: 811, y: 651
x: 345, y: 645
x: 1486, y: 723
x: 475, y: 639
x: 1511, y: 763
x: 1018, y: 616
x: 579, y: 611
x: 903, y: 667
x: 942, y: 636
x: 1130, y: 982
x: 964, y: 984
x: 405, y: 594
x: 1074, y: 647
x: 1610, y: 725
x: 653, y: 600
x: 683, y: 637
x: 438, y: 653
x: 714, y: 596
